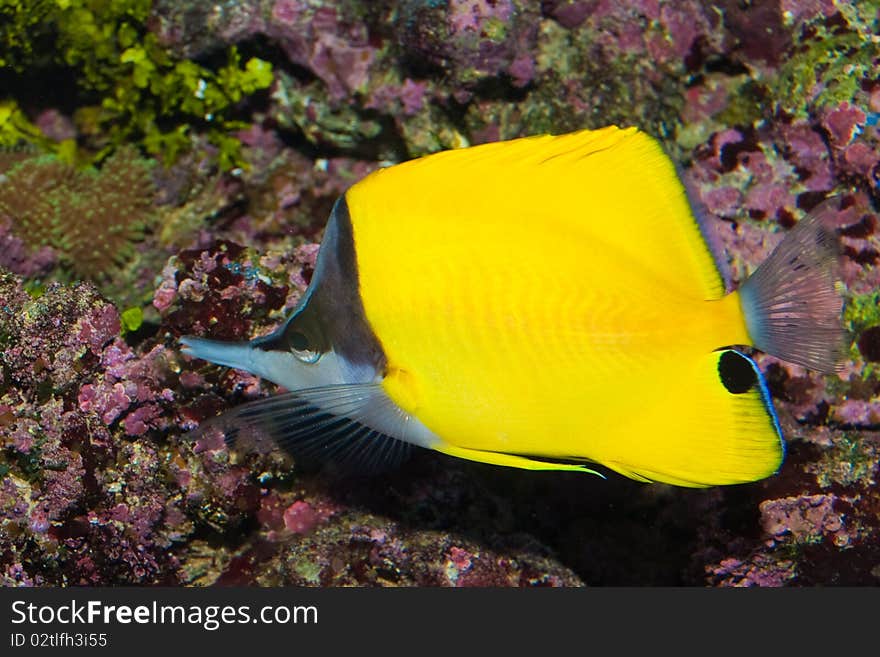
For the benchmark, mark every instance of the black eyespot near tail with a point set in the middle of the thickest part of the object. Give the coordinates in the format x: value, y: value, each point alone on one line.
x: 791, y: 306
x: 736, y: 372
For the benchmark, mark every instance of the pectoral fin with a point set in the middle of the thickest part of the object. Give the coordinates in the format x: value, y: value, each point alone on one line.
x: 354, y: 427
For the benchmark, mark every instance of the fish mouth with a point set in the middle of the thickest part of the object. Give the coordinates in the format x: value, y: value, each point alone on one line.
x: 229, y: 354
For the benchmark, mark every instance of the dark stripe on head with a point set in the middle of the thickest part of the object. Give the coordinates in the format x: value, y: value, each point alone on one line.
x: 339, y: 299
x: 331, y: 314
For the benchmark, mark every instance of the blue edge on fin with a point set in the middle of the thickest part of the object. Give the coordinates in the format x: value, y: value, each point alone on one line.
x: 713, y: 243
x: 765, y: 397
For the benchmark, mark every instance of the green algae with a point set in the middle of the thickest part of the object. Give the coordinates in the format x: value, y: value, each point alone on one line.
x: 862, y: 311
x: 131, y: 319
x: 132, y: 89
x: 822, y: 71
x: 309, y: 570
x: 851, y: 461
x: 825, y: 72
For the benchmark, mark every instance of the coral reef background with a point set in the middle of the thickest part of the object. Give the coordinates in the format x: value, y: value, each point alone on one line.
x: 180, y: 183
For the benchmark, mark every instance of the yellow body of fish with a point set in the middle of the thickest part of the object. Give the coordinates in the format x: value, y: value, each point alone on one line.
x: 543, y: 303
x: 553, y: 296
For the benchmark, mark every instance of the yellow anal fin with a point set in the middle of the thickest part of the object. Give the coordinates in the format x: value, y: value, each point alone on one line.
x: 511, y: 460
x: 714, y: 425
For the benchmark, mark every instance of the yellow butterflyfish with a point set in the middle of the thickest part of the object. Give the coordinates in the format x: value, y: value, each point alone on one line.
x: 547, y: 303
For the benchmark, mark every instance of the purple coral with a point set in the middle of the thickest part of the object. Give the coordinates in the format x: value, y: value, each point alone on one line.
x: 18, y: 257
x: 803, y: 518
x: 101, y: 482
x: 300, y: 517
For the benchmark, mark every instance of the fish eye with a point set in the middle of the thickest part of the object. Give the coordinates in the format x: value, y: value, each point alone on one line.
x: 301, y: 348
x: 298, y: 341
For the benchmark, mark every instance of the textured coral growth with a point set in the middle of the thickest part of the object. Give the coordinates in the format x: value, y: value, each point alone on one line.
x: 90, y: 217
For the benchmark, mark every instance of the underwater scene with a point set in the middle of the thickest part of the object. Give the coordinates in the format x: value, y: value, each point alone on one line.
x: 447, y: 293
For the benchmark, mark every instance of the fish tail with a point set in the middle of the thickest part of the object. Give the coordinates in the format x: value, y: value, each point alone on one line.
x: 791, y: 305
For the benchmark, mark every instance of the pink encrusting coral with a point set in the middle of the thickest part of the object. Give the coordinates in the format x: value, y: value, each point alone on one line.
x: 97, y: 483
x: 53, y: 347
x: 769, y: 109
x: 19, y: 258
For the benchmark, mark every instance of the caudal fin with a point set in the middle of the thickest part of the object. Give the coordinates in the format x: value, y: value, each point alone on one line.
x: 792, y: 308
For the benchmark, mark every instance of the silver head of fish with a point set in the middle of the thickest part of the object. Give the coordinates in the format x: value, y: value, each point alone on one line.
x: 326, y: 340
x: 330, y: 360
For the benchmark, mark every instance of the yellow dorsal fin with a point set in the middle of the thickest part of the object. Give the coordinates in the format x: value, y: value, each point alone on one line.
x: 613, y: 186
